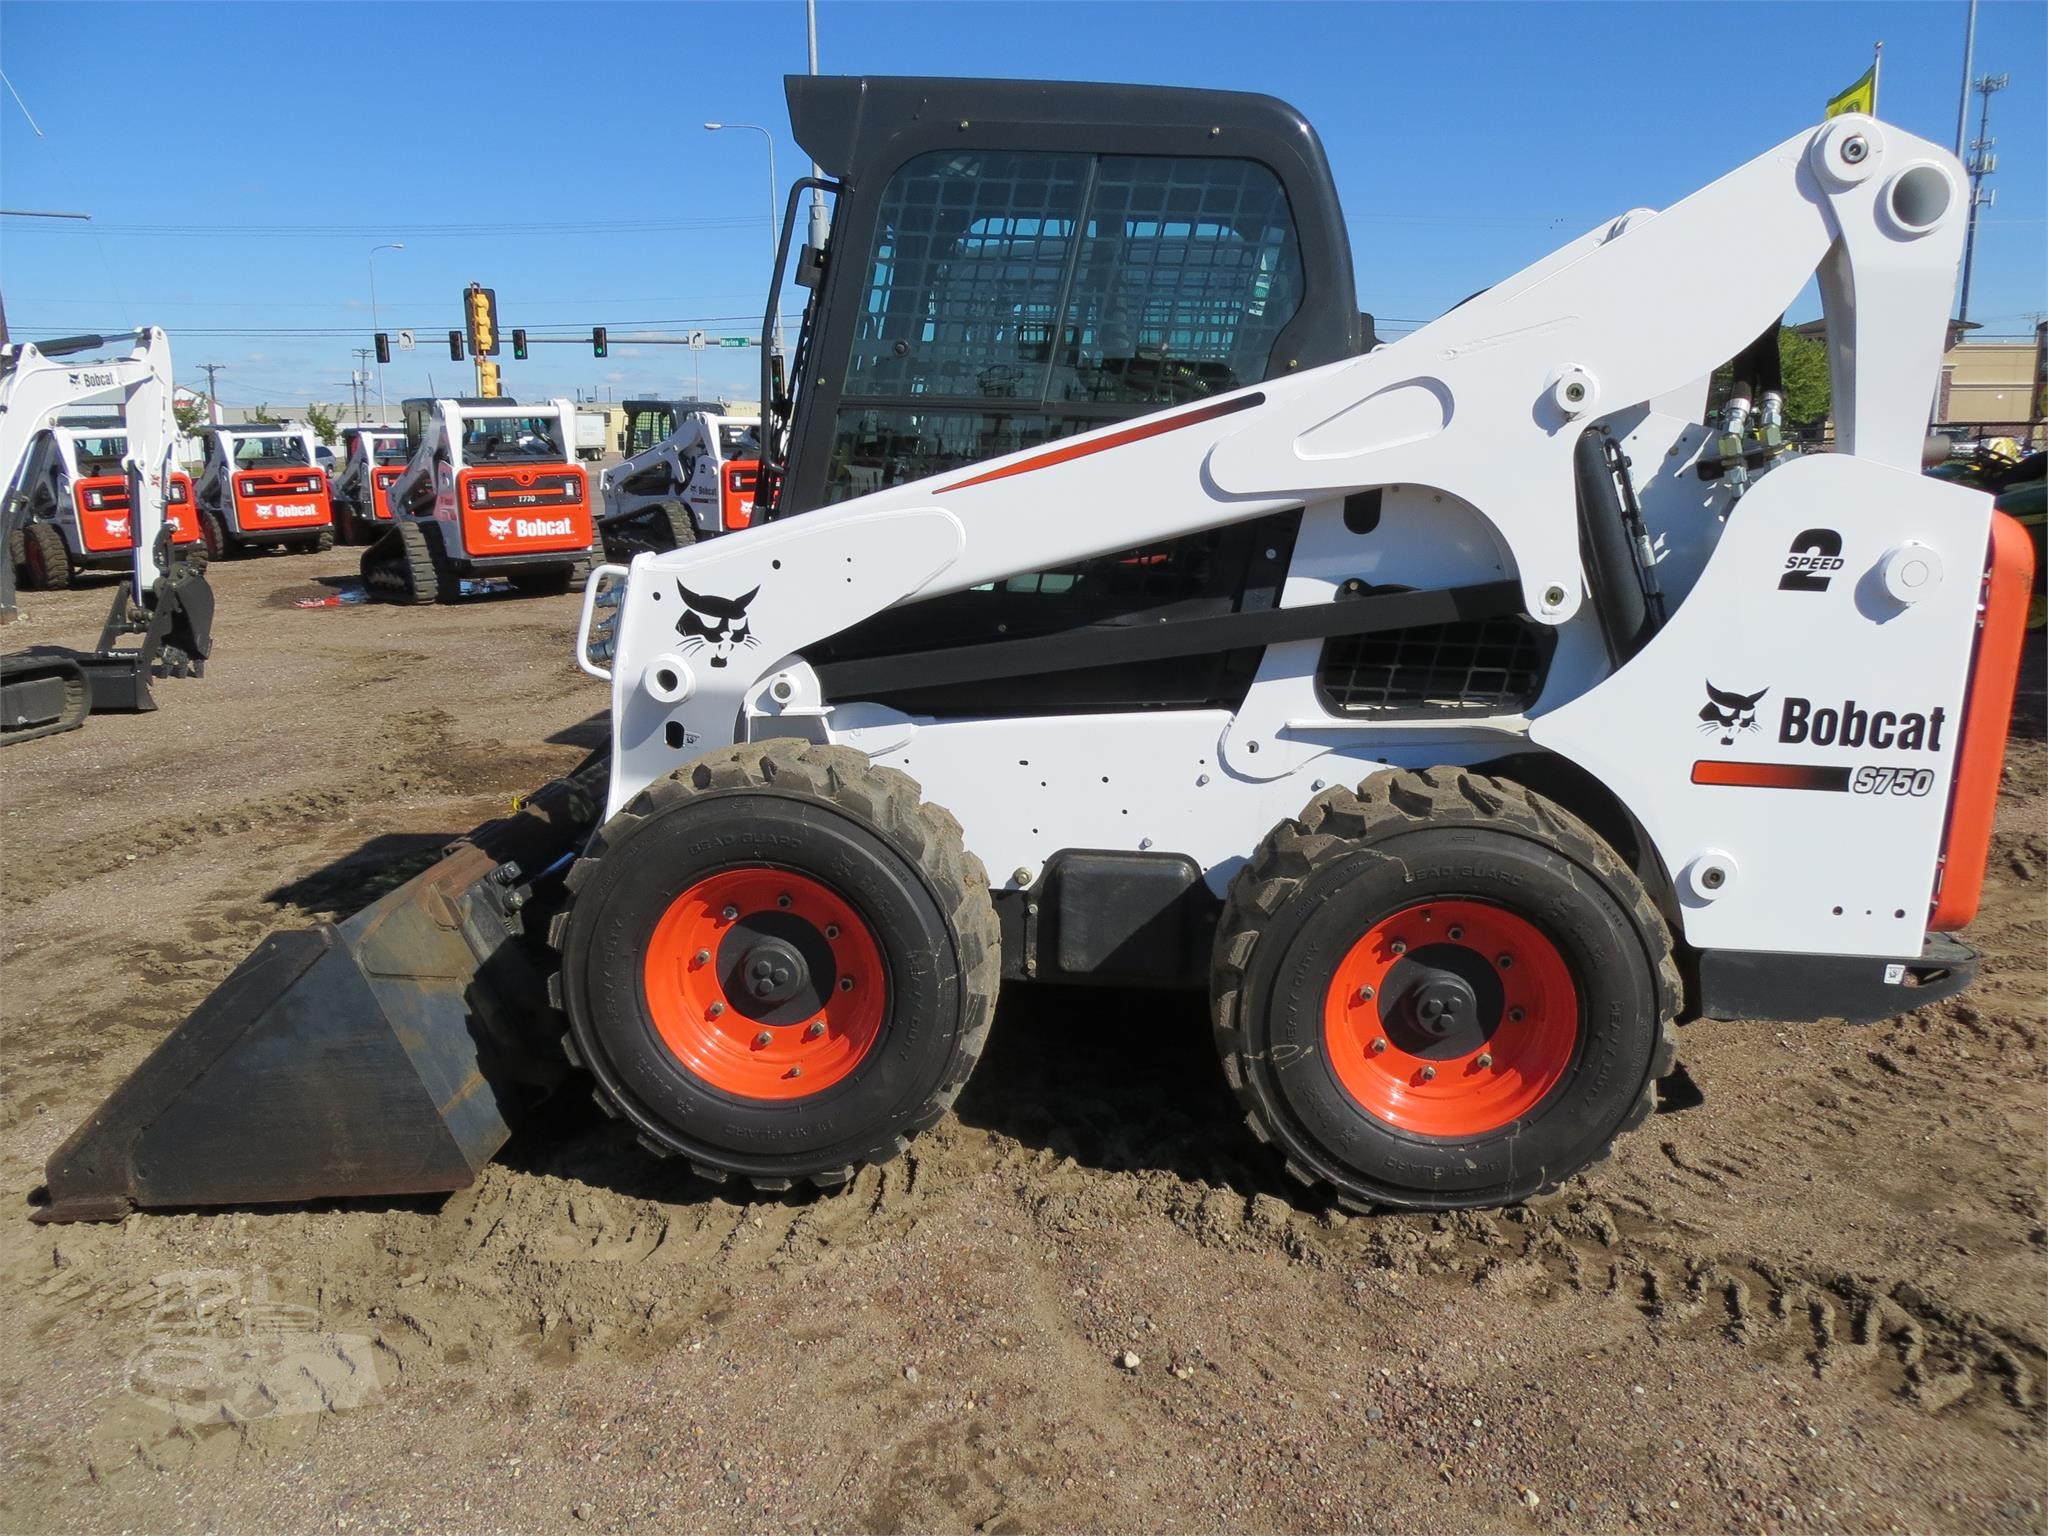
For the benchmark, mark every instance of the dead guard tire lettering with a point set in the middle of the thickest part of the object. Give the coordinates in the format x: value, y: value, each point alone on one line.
x: 887, y: 939
x: 1368, y: 1024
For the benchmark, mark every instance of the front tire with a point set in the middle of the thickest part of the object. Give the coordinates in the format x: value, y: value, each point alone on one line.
x: 213, y: 536
x: 1440, y: 992
x: 779, y: 962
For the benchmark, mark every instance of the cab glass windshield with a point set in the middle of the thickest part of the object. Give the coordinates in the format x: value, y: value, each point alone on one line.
x: 267, y: 452
x: 498, y: 438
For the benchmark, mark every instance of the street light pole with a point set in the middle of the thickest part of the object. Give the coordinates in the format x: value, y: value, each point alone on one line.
x: 774, y: 212
x: 396, y: 245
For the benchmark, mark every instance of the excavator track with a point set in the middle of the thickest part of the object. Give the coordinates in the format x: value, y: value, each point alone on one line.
x: 40, y: 696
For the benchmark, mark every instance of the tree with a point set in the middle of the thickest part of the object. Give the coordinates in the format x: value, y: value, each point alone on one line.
x: 323, y: 424
x: 1809, y: 393
x: 264, y: 418
x: 191, y: 415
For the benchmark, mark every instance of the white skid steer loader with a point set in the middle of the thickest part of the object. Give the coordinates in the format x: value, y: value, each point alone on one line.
x: 55, y: 509
x: 1460, y: 714
x: 261, y: 487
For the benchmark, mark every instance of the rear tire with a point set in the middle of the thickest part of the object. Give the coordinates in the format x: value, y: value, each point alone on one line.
x: 1441, y: 992
x: 834, y: 1014
x: 213, y: 536
x: 323, y: 541
x: 46, y: 562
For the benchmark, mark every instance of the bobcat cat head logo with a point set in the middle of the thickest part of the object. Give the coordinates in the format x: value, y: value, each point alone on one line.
x: 719, y: 623
x: 501, y: 527
x: 1728, y: 713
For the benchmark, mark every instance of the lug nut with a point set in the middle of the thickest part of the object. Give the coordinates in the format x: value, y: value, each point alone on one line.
x: 730, y: 913
x: 831, y: 930
x: 1505, y: 961
x: 782, y: 900
x: 1365, y: 994
x: 703, y: 957
x: 846, y: 983
x: 763, y: 1038
x: 1457, y: 932
x: 795, y: 1071
x: 817, y: 1028
x: 1516, y: 1015
x: 1486, y: 1058
x: 1429, y: 1074
x: 1378, y: 1046
x: 1399, y: 946
x: 717, y: 1009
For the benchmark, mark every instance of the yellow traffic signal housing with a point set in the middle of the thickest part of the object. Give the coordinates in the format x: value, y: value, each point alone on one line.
x: 480, y: 306
x: 487, y: 380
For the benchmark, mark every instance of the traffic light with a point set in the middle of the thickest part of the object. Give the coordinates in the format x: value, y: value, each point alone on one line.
x: 480, y: 305
x: 519, y: 345
x: 455, y: 345
x: 383, y: 348
x: 487, y: 380
x: 598, y: 348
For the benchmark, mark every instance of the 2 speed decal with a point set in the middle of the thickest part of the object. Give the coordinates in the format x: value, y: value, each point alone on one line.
x: 1816, y: 554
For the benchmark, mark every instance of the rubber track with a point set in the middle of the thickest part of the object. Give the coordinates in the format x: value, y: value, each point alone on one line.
x: 1394, y: 801
x: 401, y: 567
x: 652, y: 531
x: 890, y: 804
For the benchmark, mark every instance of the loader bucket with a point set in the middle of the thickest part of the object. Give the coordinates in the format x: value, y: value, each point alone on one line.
x: 383, y: 1056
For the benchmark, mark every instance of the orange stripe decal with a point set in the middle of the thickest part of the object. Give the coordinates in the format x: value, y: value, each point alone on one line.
x: 1987, y: 714
x: 1067, y: 452
x: 1769, y: 775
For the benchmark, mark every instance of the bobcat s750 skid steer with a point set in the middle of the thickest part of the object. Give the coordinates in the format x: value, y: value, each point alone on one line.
x: 1458, y: 714
x: 492, y: 489
x: 372, y: 459
x: 165, y: 600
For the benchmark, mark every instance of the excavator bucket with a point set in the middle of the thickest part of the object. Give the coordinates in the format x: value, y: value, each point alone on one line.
x: 387, y: 1055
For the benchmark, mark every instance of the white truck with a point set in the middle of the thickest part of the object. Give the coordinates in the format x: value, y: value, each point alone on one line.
x: 593, y: 435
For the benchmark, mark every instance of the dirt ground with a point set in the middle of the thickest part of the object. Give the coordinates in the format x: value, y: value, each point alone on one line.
x: 1814, y: 1303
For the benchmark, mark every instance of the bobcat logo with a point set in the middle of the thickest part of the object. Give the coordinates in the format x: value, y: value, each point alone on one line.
x: 501, y: 527
x: 717, y: 622
x: 1728, y: 713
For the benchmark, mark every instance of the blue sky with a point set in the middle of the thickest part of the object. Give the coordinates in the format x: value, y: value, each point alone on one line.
x: 554, y: 151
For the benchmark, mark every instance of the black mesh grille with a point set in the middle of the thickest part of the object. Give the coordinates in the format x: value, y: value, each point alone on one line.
x: 1476, y: 666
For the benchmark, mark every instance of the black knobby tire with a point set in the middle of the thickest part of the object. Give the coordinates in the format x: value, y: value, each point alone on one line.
x: 578, y: 576
x: 192, y: 556
x: 405, y: 566
x: 323, y: 541
x: 213, y: 536
x: 651, y: 532
x: 46, y: 562
x: 820, y: 814
x: 1317, y: 883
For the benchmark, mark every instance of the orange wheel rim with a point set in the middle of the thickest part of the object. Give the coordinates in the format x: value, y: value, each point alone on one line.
x: 1451, y: 1018
x: 765, y: 984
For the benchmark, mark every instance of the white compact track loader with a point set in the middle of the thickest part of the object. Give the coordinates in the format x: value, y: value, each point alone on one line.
x: 689, y: 476
x: 492, y: 488
x: 372, y: 459
x: 1461, y: 715
x: 261, y: 487
x: 59, y: 485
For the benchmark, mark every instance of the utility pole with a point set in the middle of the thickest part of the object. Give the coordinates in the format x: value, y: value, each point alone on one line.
x: 212, y: 398
x: 1982, y: 163
x: 1963, y: 95
x: 819, y: 224
x: 361, y: 373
